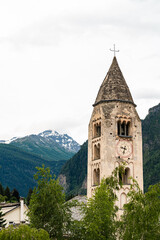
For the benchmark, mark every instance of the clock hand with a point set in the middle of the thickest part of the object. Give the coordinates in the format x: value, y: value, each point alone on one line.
x: 124, y: 149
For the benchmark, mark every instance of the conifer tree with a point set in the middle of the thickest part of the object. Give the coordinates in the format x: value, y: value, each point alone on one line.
x: 7, y: 193
x: 2, y: 220
x: 1, y: 190
x: 15, y: 194
x: 29, y: 196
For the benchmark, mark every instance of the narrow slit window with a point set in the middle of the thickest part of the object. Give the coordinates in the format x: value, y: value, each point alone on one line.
x: 126, y: 176
x: 97, y: 130
x: 96, y: 151
x: 96, y: 177
x: 123, y: 129
x: 119, y: 127
x: 120, y: 177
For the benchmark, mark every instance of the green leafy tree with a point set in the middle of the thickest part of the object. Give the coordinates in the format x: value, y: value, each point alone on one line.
x: 2, y: 220
x: 141, y: 218
x: 2, y: 198
x: 23, y: 232
x: 99, y: 221
x: 47, y: 209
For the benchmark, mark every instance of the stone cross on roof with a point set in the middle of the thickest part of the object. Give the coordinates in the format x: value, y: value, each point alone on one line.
x: 114, y: 50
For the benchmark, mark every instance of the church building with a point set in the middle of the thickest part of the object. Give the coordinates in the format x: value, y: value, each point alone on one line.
x: 115, y: 135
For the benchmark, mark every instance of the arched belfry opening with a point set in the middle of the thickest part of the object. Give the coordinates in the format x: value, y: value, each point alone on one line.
x: 96, y: 177
x: 123, y: 128
x: 97, y: 151
x: 97, y: 130
x: 123, y: 200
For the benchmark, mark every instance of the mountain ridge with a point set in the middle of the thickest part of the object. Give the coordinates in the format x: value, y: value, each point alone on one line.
x: 20, y: 157
x: 48, y: 144
x: 63, y: 140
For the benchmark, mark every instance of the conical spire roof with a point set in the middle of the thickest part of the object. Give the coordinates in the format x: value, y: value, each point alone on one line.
x: 114, y: 86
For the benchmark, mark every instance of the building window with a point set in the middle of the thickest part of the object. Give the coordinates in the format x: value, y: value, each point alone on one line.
x: 11, y: 223
x: 123, y: 200
x: 120, y: 177
x: 97, y: 130
x: 97, y: 151
x: 126, y: 176
x: 123, y: 128
x: 96, y: 177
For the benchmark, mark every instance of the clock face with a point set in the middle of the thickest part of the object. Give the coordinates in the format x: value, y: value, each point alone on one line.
x: 124, y: 148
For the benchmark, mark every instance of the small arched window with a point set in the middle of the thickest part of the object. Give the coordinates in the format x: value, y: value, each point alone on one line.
x: 96, y: 177
x: 126, y: 176
x: 123, y: 200
x: 97, y: 130
x: 96, y: 151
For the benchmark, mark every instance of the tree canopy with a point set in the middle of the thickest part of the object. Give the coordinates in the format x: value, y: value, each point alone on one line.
x: 47, y: 209
x: 141, y: 217
x: 99, y: 214
x: 23, y: 232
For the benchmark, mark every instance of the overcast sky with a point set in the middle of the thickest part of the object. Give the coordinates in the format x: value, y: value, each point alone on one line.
x: 54, y: 56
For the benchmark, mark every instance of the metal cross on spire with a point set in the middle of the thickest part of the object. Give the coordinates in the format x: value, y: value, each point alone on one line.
x: 114, y: 50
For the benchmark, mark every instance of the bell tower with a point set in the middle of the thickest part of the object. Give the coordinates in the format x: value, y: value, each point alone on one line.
x: 115, y: 135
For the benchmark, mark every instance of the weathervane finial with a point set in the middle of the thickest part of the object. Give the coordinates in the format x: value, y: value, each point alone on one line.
x: 114, y: 50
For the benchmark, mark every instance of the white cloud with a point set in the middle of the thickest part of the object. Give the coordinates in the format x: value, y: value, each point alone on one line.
x: 55, y: 54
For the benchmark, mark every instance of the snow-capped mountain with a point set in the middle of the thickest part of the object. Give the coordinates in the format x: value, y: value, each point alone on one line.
x: 49, y: 145
x: 63, y: 139
x: 8, y: 141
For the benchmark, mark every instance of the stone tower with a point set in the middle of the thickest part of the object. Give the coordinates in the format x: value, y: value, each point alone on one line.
x: 115, y: 134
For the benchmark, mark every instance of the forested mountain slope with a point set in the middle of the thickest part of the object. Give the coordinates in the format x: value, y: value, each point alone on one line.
x: 74, y: 172
x: 17, y: 168
x: 151, y: 147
